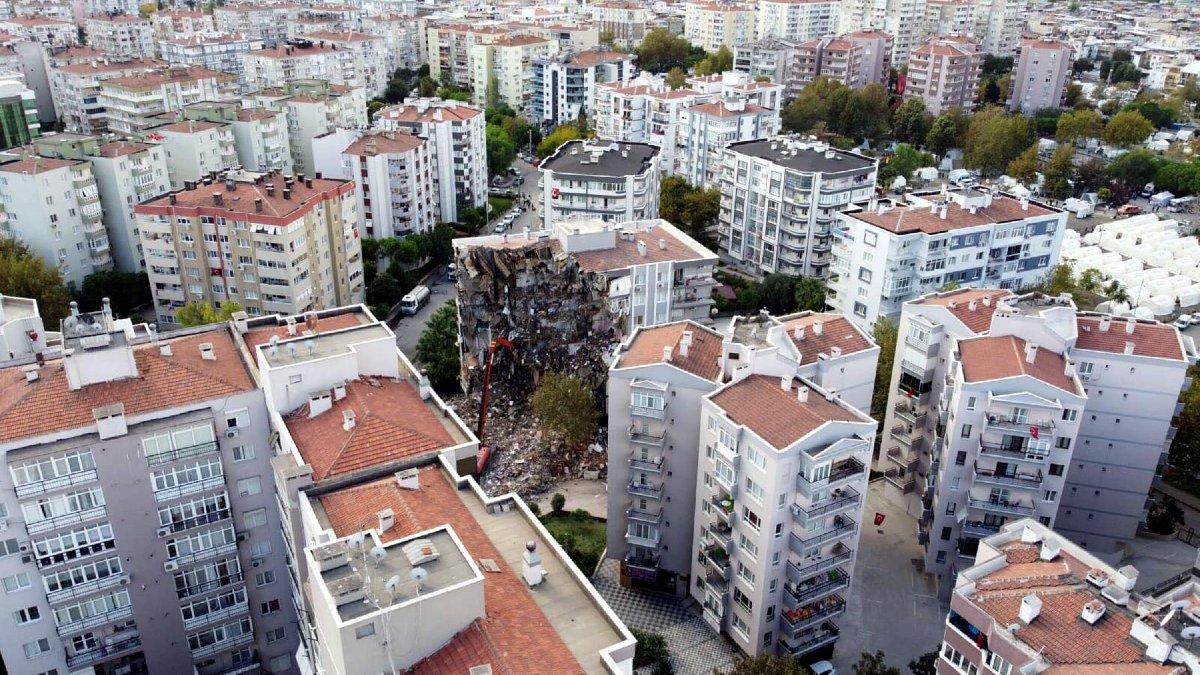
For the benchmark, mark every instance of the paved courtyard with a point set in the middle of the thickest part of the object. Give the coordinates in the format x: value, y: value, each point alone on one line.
x: 891, y: 605
x: 695, y: 648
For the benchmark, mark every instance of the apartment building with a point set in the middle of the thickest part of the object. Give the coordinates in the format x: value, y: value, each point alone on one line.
x: 796, y: 21
x: 944, y: 73
x: 949, y: 17
x: 837, y: 59
x: 313, y: 108
x: 779, y: 203
x: 269, y: 242
x: 712, y: 25
x: 455, y: 135
x: 53, y: 206
x: 19, y: 122
x: 209, y: 49
x: 1041, y: 73
x: 448, y: 48
x: 194, y: 148
x: 563, y: 85
x: 50, y: 33
x: 58, y: 10
x: 394, y: 176
x: 121, y: 35
x: 401, y: 34
x: 889, y: 251
x: 615, y: 182
x: 355, y: 59
x: 126, y: 174
x: 903, y: 20
x: 877, y: 48
x: 94, y: 7
x: 142, y: 524
x: 132, y: 102
x: 76, y: 89
x: 489, y: 581
x: 628, y: 22
x: 179, y: 23
x: 265, y: 21
x: 260, y: 136
x: 655, y: 384
x: 707, y: 129
x: 999, y: 24
x: 505, y: 68
x: 773, y: 59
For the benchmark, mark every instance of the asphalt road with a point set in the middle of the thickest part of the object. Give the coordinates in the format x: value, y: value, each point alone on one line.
x: 408, y: 329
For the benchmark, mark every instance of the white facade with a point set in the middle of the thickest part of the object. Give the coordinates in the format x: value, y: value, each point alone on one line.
x: 712, y: 25
x: 313, y: 108
x: 615, y: 182
x: 209, y: 49
x: 393, y: 175
x: 796, y: 21
x: 706, y: 130
x: 130, y: 102
x: 121, y: 35
x: 564, y: 87
x: 998, y: 25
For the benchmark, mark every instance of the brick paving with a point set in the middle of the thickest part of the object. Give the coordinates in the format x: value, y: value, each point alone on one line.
x: 695, y: 649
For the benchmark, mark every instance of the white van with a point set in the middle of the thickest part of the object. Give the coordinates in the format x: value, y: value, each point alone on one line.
x: 412, y: 302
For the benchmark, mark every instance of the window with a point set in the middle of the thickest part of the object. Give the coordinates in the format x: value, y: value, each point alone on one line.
x: 269, y: 607
x: 756, y: 458
x: 946, y: 533
x: 971, y: 403
x: 941, y: 557
x: 36, y: 648
x: 961, y: 458
x: 27, y: 615
x: 255, y: 518
x: 260, y: 549
x: 956, y: 659
x: 641, y: 399
x: 281, y: 663
x: 966, y: 431
x: 740, y: 625
x: 768, y: 638
x: 746, y: 574
x: 950, y: 507
x: 755, y: 490
x: 1063, y: 442
x: 249, y: 486
x: 9, y: 547
x: 264, y: 578
x: 275, y: 635
x: 364, y: 631
x: 999, y: 665
x: 242, y: 453
x: 1069, y: 414
x: 751, y: 518
x: 742, y: 599
x: 748, y: 546
x: 1056, y: 469
x: 16, y: 582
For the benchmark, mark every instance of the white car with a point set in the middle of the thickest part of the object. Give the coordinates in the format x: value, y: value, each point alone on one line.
x: 1184, y: 321
x: 822, y: 668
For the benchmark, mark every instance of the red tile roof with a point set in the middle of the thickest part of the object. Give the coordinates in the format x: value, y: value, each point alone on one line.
x: 911, y: 218
x: 242, y: 198
x: 1155, y: 339
x: 515, y: 637
x: 412, y: 113
x: 722, y: 109
x: 48, y: 404
x: 122, y: 148
x: 978, y: 320
x: 37, y: 165
x: 836, y: 331
x: 759, y: 403
x: 392, y: 423
x: 625, y: 253
x: 385, y: 143
x: 1003, y: 356
x: 646, y: 347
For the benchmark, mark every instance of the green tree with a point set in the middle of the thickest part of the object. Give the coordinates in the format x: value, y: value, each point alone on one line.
x: 1060, y: 280
x: 437, y: 349
x: 717, y: 63
x: 560, y: 135
x: 810, y: 294
x: 904, y: 162
x: 1025, y: 167
x: 126, y: 290
x: 607, y: 38
x: 1079, y: 125
x: 873, y: 664
x: 146, y: 9
x: 558, y: 502
x: 672, y: 191
x: 1045, y: 121
x: 866, y: 114
x: 501, y: 151
x: 1157, y: 114
x: 910, y: 122
x: 651, y: 652
x: 765, y: 664
x: 994, y: 139
x: 925, y: 664
x: 675, y: 78
x: 1074, y: 97
x: 1135, y: 168
x: 1082, y: 65
x: 1125, y: 72
x: 200, y: 313
x: 661, y: 51
x: 492, y: 94
x: 996, y: 65
x: 1091, y: 175
x: 885, y: 332
x: 1179, y: 178
x: 384, y: 292
x: 778, y: 293
x: 700, y: 211
x: 1185, y: 449
x: 815, y: 104
x: 1060, y: 170
x: 565, y: 408
x: 24, y: 274
x: 427, y: 87
x: 947, y: 131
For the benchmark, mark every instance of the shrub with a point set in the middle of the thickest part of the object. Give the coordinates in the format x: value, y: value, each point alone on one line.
x: 557, y: 502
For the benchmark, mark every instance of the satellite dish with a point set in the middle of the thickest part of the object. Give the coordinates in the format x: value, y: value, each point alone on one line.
x: 311, y: 346
x: 393, y: 584
x: 418, y: 574
x: 355, y: 541
x: 377, y: 554
x: 1190, y: 633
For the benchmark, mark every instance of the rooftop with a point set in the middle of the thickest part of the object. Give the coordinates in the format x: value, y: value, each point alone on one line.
x: 594, y: 57
x: 384, y: 143
x: 974, y: 307
x: 639, y: 243
x: 600, y: 158
x: 263, y: 329
x: 428, y: 110
x: 648, y: 344
x: 804, y: 157
x: 936, y: 213
x: 821, y: 333
x: 1103, y: 333
x: 306, y: 346
x: 1003, y: 356
x: 166, y: 76
x: 267, y: 192
x: 777, y: 415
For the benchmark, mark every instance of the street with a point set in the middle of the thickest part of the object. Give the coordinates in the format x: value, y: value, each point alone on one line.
x: 408, y: 329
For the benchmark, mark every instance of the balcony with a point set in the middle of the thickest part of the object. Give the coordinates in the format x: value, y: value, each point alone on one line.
x: 842, y: 527
x: 121, y: 642
x: 1038, y: 452
x: 650, y: 514
x: 722, y: 507
x: 643, y: 561
x: 194, y: 521
x: 1021, y: 426
x: 651, y: 413
x: 900, y: 457
x: 904, y: 483
x: 721, y: 533
x: 796, y: 621
x: 210, y: 483
x: 979, y: 529
x: 805, y: 592
x: 654, y: 464
x: 909, y: 414
x: 191, y: 591
x: 840, y: 499
x: 181, y: 453
x: 826, y: 634
x: 844, y: 470
x: 651, y: 540
x: 1028, y: 481
x: 86, y: 588
x: 65, y: 520
x: 649, y: 489
x: 111, y: 616
x: 224, y: 645
x: 237, y: 609
x: 1010, y: 508
x: 839, y: 554
x: 44, y: 486
x: 647, y: 437
x: 205, y: 554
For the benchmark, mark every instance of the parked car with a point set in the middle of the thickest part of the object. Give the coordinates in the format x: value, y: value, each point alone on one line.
x: 1129, y: 210
x: 1184, y: 321
x: 822, y: 668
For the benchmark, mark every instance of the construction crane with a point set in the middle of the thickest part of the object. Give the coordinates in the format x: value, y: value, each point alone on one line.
x: 485, y: 452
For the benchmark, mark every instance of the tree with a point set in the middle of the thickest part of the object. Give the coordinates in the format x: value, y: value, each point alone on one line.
x: 200, y: 313
x: 651, y: 652
x: 565, y: 408
x: 1025, y: 167
x: 910, y: 122
x: 925, y: 664
x: 501, y: 151
x: 1157, y: 114
x: 946, y: 132
x: 866, y: 114
x: 1045, y: 121
x: 25, y: 275
x: 661, y: 51
x: 1127, y: 128
x: 384, y: 292
x: 146, y: 9
x: 1078, y: 125
x: 492, y: 94
x: 1135, y: 168
x: 1125, y: 72
x: 1178, y: 178
x: 437, y: 349
x: 778, y: 293
x: 765, y: 664
x: 885, y: 333
x: 675, y: 78
x: 427, y: 87
x: 1083, y: 65
x: 700, y: 211
x: 1185, y: 449
x: 126, y: 290
x: 994, y: 139
x: 716, y: 63
x: 1060, y: 280
x: 904, y: 162
x: 810, y: 294
x: 996, y: 65
x: 1059, y: 172
x: 607, y: 38
x: 1091, y: 175
x: 815, y: 104
x: 873, y: 664
x: 560, y: 135
x: 558, y: 502
x: 1074, y: 97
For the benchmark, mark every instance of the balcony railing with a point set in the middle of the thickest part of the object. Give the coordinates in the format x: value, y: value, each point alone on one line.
x: 230, y: 643
x: 910, y: 415
x: 181, y: 453
x: 652, y: 413
x: 66, y: 519
x: 800, y: 619
x: 210, y: 483
x: 207, y: 586
x: 647, y: 437
x: 1030, y: 481
x: 835, y: 581
x: 647, y: 464
x: 843, y: 499
x: 205, y: 553
x: 111, y: 616
x: 721, y: 533
x: 840, y: 554
x: 1012, y: 424
x: 649, y: 514
x: 849, y: 468
x: 43, y: 486
x: 827, y: 633
x: 1005, y: 507
x: 196, y: 521
x: 87, y: 588
x: 643, y: 560
x: 979, y: 529
x: 801, y: 544
x: 237, y: 609
x: 645, y: 489
x: 905, y: 484
x: 96, y: 654
x: 1030, y: 453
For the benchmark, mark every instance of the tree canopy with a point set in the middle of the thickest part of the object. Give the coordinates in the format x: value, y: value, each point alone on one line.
x: 1127, y: 128
x: 560, y: 135
x: 565, y: 408
x: 24, y: 274
x: 662, y: 50
x: 200, y: 313
x: 437, y: 349
x: 994, y: 140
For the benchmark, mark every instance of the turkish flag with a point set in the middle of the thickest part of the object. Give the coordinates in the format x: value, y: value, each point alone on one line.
x: 1033, y: 431
x: 879, y: 518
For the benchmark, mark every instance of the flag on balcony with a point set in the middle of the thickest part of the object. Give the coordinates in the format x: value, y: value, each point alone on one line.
x: 1033, y: 431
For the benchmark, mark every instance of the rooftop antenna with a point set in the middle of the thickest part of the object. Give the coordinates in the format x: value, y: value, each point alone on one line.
x: 393, y: 584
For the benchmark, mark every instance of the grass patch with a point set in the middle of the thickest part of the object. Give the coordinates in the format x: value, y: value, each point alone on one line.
x: 581, y: 536
x: 499, y: 205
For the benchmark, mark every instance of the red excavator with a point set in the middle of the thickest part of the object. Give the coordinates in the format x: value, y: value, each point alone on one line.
x: 484, y: 451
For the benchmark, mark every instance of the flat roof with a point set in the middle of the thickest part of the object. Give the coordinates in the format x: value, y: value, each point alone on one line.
x: 615, y: 158
x: 308, y: 347
x: 808, y: 157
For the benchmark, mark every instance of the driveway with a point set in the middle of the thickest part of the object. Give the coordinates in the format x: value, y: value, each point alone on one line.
x: 408, y: 329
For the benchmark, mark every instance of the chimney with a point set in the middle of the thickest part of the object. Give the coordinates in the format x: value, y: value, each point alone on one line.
x: 258, y: 207
x: 1024, y: 203
x: 802, y: 394
x: 667, y: 349
x: 987, y: 301
x: 408, y: 479
x: 308, y: 182
x: 972, y: 305
x: 1130, y: 324
x: 641, y: 248
x: 287, y: 193
x: 942, y: 213
x: 230, y: 185
x: 1031, y: 606
x: 818, y: 327
x: 685, y: 343
x: 1092, y: 611
x: 171, y: 198
x: 348, y: 420
x: 1129, y: 348
x: 319, y: 403
x: 1105, y: 322
x: 270, y: 189
x: 1030, y: 352
x: 31, y: 374
x: 1069, y: 369
x: 423, y: 387
x: 206, y: 351
x: 785, y: 383
x: 216, y: 197
x: 662, y: 244
x: 387, y: 518
x: 291, y: 325
x: 798, y: 332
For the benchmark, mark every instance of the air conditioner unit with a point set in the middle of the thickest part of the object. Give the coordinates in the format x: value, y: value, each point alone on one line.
x: 256, y: 562
x: 124, y: 581
x: 231, y: 433
x: 27, y: 559
x: 242, y: 536
x: 164, y: 531
x: 170, y: 566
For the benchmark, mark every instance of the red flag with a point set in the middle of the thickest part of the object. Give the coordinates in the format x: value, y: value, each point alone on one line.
x: 879, y: 518
x: 1033, y: 431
